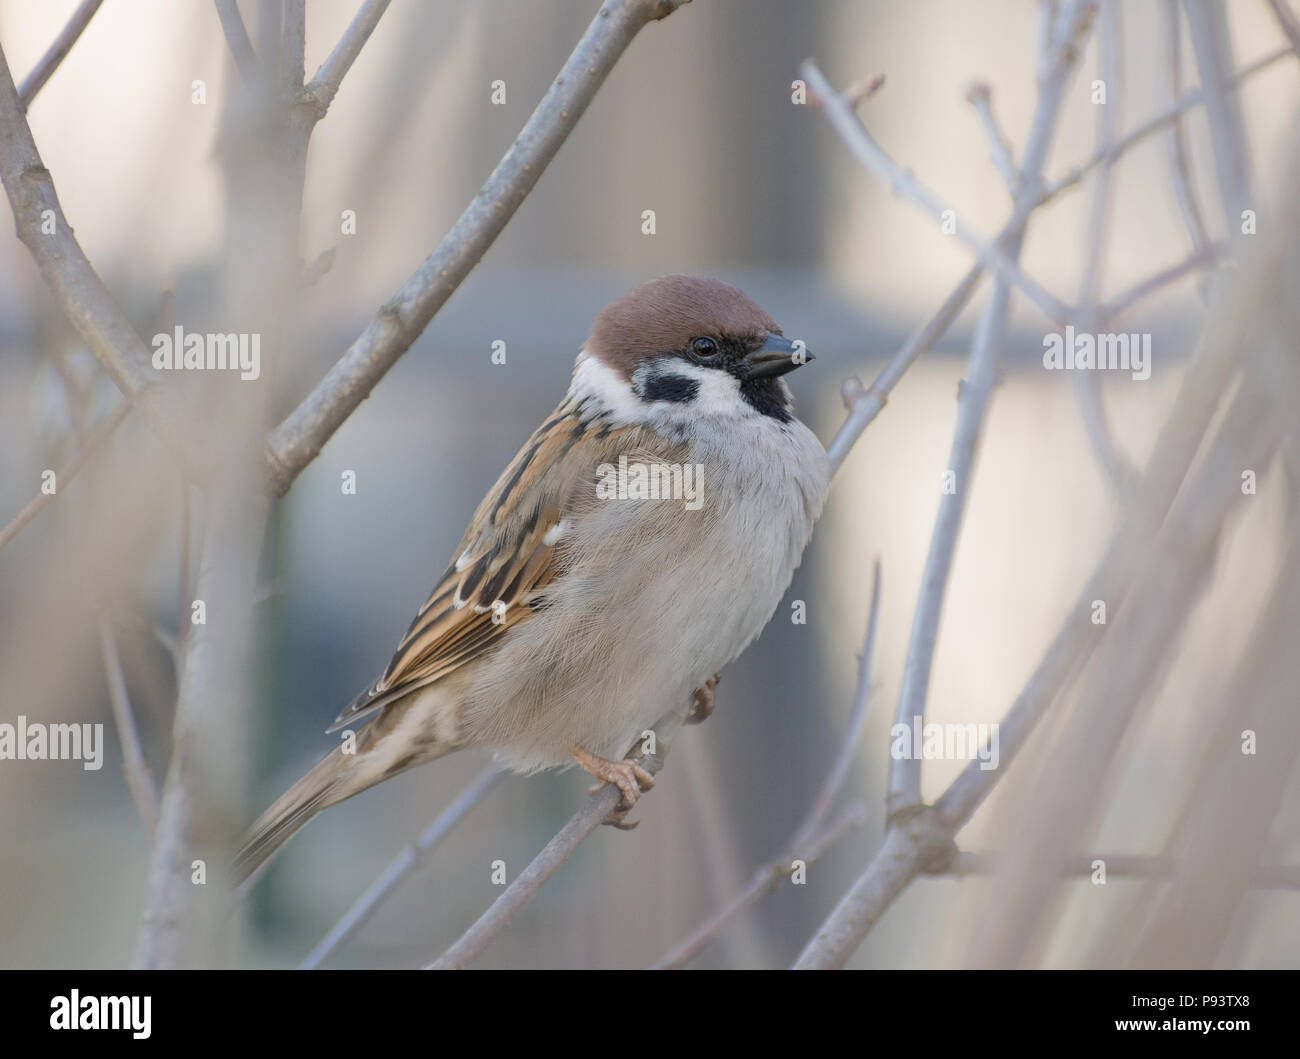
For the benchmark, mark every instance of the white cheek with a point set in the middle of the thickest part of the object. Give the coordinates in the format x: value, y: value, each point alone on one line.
x: 719, y: 392
x: 594, y: 379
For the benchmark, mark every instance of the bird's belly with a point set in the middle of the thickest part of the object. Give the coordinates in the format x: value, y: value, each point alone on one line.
x: 657, y: 599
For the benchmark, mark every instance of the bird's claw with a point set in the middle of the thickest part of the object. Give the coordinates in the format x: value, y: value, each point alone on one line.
x: 702, y: 702
x: 629, y: 777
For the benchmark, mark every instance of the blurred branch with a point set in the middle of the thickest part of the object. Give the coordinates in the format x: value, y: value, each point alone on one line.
x: 293, y: 47
x: 809, y: 839
x: 900, y: 181
x: 1110, y: 458
x: 403, y: 865
x: 138, y: 780
x: 981, y: 98
x: 76, y: 287
x: 57, y: 52
x: 1128, y: 660
x: 921, y: 840
x: 973, y: 399
x: 1207, y: 24
x: 89, y: 447
x: 600, y: 805
x: 1205, y: 257
x: 1153, y: 125
x: 299, y: 438
x: 1123, y: 865
x: 1180, y: 170
x: 764, y: 881
x: 179, y: 925
x: 241, y: 48
x: 1287, y: 22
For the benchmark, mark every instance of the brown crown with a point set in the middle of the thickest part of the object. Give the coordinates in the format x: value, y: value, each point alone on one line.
x: 665, y: 314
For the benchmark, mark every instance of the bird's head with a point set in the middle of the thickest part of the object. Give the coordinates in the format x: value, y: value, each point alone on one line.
x: 686, y: 347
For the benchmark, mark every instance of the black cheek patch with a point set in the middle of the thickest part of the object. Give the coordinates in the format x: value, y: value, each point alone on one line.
x: 668, y: 387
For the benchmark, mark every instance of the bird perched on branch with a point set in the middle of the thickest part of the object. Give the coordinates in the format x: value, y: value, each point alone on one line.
x: 637, y: 543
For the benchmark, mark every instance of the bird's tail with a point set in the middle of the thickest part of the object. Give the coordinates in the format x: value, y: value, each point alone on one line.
x: 319, y: 788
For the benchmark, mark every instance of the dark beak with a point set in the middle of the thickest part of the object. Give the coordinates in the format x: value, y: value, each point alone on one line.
x: 776, y: 356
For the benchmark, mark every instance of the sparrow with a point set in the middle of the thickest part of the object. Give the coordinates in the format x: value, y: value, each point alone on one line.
x: 584, y: 605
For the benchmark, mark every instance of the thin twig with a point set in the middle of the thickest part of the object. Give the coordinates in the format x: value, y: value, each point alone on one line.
x: 55, y: 54
x: 808, y: 840
x: 77, y: 288
x: 1288, y: 22
x: 241, y: 48
x: 1153, y: 125
x: 900, y: 181
x: 864, y: 404
x: 293, y: 47
x: 981, y: 98
x: 920, y: 842
x: 1207, y: 25
x: 471, y: 944
x: 763, y: 882
x: 1180, y: 170
x: 402, y: 866
x: 138, y: 780
x: 1125, y: 300
x: 976, y: 391
x: 839, y: 769
x: 91, y: 445
x: 1110, y: 458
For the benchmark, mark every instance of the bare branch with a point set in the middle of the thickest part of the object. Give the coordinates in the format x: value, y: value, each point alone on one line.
x: 241, y: 48
x: 864, y: 404
x: 844, y: 120
x: 1207, y: 24
x: 1125, y: 300
x: 1153, y: 125
x: 975, y: 393
x: 472, y: 943
x: 764, y: 881
x: 88, y: 448
x: 55, y: 54
x: 297, y: 440
x: 138, y: 780
x: 1288, y: 22
x: 1110, y: 458
x: 404, y: 864
x: 981, y: 98
x: 1180, y: 171
x: 293, y: 47
x: 839, y: 769
x: 79, y: 291
x: 920, y: 841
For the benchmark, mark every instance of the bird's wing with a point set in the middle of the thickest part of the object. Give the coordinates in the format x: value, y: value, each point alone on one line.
x: 509, y: 554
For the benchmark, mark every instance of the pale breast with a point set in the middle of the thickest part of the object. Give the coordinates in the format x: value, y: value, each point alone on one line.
x: 658, y: 594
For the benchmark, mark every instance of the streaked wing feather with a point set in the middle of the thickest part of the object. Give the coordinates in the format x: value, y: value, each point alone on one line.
x: 505, y: 559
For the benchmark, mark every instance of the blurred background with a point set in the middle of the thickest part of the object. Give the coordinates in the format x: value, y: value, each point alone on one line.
x: 696, y: 122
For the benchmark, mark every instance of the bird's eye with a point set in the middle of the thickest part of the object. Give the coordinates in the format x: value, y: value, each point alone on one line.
x: 704, y: 347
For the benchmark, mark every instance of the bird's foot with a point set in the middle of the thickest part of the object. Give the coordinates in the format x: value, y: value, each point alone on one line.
x: 702, y: 704
x: 629, y: 777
